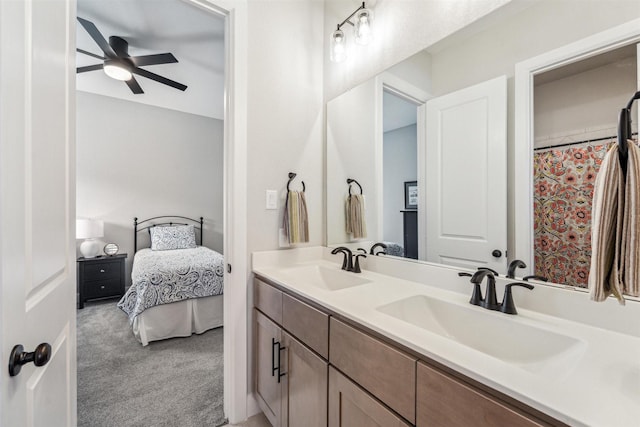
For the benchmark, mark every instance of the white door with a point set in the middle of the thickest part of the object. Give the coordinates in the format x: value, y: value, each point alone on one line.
x: 466, y: 177
x: 37, y: 209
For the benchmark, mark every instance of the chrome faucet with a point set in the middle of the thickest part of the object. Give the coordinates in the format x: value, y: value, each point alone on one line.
x: 511, y: 270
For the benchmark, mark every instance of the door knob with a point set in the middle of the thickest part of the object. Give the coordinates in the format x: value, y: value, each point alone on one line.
x: 496, y: 253
x: 19, y: 357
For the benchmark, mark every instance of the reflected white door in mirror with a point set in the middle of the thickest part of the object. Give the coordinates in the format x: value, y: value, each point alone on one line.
x: 466, y: 178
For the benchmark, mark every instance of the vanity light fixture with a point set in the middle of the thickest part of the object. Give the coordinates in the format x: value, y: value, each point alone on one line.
x: 363, y: 18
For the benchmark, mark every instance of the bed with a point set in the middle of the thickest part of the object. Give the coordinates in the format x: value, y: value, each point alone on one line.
x: 177, y: 286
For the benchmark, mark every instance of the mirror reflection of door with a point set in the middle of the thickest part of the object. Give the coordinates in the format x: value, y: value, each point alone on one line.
x: 575, y: 117
x: 400, y: 165
x: 466, y: 177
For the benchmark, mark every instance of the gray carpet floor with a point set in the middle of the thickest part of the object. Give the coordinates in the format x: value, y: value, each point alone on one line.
x: 175, y: 382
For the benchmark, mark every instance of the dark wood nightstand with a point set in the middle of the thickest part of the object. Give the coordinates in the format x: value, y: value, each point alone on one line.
x: 100, y: 277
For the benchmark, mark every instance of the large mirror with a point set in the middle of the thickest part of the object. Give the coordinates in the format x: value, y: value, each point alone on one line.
x: 389, y: 134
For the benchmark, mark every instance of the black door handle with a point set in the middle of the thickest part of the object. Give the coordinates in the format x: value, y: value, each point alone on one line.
x: 496, y: 253
x: 19, y: 357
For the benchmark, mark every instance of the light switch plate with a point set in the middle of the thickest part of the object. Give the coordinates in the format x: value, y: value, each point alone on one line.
x: 272, y: 199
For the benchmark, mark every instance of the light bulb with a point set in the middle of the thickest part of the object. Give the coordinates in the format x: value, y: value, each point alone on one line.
x: 338, y: 46
x: 364, y: 20
x: 117, y: 72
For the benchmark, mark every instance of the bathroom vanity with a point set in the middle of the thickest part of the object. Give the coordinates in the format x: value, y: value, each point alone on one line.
x: 343, y: 349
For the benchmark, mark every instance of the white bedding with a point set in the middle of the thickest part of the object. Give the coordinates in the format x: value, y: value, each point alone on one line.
x: 179, y: 319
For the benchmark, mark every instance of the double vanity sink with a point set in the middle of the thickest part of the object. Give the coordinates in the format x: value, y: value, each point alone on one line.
x: 577, y: 374
x: 520, y: 344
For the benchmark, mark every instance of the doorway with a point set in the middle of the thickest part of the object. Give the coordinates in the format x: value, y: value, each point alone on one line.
x: 152, y: 154
x: 400, y: 171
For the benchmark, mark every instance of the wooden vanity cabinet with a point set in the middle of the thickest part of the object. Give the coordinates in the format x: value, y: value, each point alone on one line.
x: 268, y: 337
x: 444, y: 401
x: 338, y: 374
x: 291, y: 376
x: 384, y: 371
x: 351, y: 406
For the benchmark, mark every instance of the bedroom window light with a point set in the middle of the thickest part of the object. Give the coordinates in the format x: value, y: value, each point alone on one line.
x: 89, y: 230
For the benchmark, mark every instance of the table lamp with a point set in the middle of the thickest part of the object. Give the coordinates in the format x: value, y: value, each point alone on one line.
x: 89, y: 229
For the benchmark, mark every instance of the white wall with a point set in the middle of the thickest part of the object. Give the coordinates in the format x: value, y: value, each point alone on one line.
x: 587, y: 102
x: 136, y: 160
x: 284, y: 114
x: 400, y: 165
x: 284, y: 125
x: 352, y: 125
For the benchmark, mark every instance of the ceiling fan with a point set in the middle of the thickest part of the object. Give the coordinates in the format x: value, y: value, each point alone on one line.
x: 119, y: 65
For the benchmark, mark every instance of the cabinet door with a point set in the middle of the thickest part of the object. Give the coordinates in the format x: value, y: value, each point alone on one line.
x: 269, y: 391
x: 445, y: 401
x: 304, y: 386
x: 351, y: 406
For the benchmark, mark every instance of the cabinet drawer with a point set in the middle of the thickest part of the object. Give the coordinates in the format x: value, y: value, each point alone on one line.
x: 446, y: 401
x: 268, y: 300
x: 387, y: 373
x: 102, y: 270
x: 309, y: 325
x: 349, y: 405
x: 102, y: 288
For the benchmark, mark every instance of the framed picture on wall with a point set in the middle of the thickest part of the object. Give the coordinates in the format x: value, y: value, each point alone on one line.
x: 411, y: 195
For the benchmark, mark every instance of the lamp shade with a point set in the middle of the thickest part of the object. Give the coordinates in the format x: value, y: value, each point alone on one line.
x: 89, y: 228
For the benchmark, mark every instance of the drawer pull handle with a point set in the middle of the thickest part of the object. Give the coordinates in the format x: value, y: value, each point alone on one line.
x: 102, y: 287
x: 101, y: 270
x: 276, y: 367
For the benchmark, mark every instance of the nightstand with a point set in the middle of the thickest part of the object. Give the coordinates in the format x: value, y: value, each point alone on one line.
x: 100, y: 277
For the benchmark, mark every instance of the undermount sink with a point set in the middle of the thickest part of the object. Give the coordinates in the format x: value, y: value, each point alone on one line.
x: 324, y: 277
x: 534, y: 349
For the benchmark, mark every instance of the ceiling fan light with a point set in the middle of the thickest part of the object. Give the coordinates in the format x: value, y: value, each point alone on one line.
x: 117, y: 72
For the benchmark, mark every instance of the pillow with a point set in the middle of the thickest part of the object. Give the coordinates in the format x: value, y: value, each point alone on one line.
x: 172, y: 237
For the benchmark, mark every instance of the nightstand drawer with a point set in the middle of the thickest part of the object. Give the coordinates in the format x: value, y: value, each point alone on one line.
x: 103, y: 288
x: 102, y: 270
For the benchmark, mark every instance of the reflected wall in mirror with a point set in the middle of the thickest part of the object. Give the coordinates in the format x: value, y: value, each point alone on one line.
x: 479, y: 53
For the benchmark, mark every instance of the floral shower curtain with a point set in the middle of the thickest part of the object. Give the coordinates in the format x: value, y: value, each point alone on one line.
x: 563, y: 181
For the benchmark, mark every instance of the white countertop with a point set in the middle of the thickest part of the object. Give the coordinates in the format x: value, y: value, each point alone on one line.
x: 601, y: 387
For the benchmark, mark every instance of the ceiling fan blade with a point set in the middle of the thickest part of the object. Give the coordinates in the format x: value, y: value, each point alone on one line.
x: 89, y: 68
x: 134, y: 86
x: 97, y: 37
x: 160, y: 58
x: 148, y: 74
x: 90, y: 54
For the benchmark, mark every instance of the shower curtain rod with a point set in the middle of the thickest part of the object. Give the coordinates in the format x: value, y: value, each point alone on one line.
x: 566, y: 144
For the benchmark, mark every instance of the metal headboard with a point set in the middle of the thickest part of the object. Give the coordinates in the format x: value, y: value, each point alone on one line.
x: 137, y: 223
